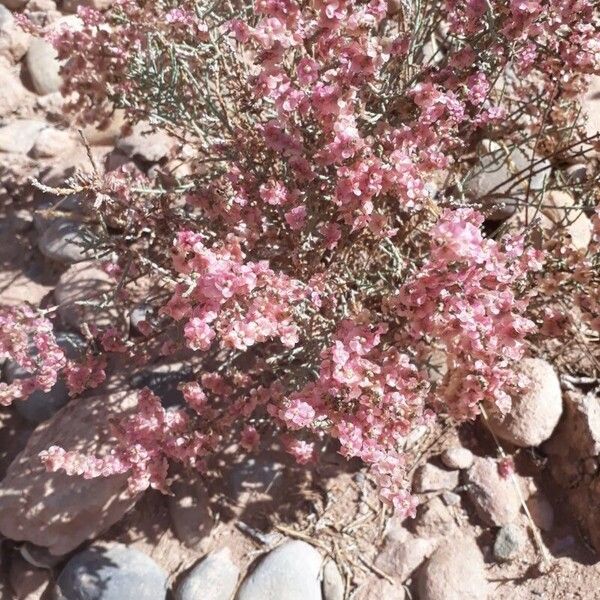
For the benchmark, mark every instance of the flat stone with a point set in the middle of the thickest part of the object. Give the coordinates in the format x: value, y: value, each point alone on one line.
x: 213, y: 578
x: 113, y: 573
x: 455, y: 571
x: 290, y: 572
x: 190, y: 515
x: 429, y: 478
x: 535, y: 410
x: 495, y: 499
x: 67, y: 242
x: 510, y: 540
x: 19, y: 136
x: 53, y: 509
x: 457, y: 458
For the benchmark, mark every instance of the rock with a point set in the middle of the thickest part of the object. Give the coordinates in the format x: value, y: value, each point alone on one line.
x: 67, y: 242
x: 214, y: 578
x: 113, y: 573
x: 402, y: 554
x: 39, y: 556
x: 53, y: 509
x: 577, y: 173
x: 14, y: 42
x: 578, y: 433
x: 43, y: 67
x: 434, y: 519
x: 450, y: 498
x: 15, y: 433
x: 559, y: 209
x: 457, y: 458
x: 20, y: 136
x: 190, y: 515
x: 496, y: 500
x: 52, y: 142
x: 332, y: 585
x: 164, y: 381
x: 40, y: 405
x: 28, y: 582
x: 494, y: 179
x: 541, y: 511
x: 510, y: 539
x: 106, y: 134
x: 535, y: 411
x: 85, y: 281
x: 14, y: 4
x: 13, y: 93
x: 379, y: 589
x: 455, y: 571
x: 290, y: 572
x: 145, y: 144
x: 71, y: 6
x: 429, y: 478
x: 590, y: 108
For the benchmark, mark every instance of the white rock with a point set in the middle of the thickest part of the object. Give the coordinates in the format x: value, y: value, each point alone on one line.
x: 457, y: 458
x: 290, y: 572
x: 43, y: 67
x: 19, y: 136
x: 13, y: 40
x: 496, y: 499
x: 333, y: 582
x: 12, y: 93
x: 53, y: 509
x: 535, y: 411
x: 148, y: 145
x: 455, y: 571
x: 52, y: 142
x: 66, y: 241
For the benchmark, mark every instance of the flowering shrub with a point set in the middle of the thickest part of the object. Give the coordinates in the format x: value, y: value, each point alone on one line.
x: 322, y: 237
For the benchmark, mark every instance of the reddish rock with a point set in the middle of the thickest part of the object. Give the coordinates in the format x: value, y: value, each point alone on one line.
x: 53, y: 509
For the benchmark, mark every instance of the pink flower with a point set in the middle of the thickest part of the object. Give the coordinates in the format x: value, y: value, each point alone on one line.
x: 296, y: 217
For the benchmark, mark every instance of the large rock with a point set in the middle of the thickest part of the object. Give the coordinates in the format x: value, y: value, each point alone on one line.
x: 573, y: 457
x: 27, y: 582
x: 19, y: 136
x: 214, y: 578
x: 496, y: 499
x: 455, y: 571
x: 43, y: 67
x: 72, y: 5
x: 559, y: 208
x: 535, y: 411
x: 13, y: 93
x: 13, y: 40
x: 86, y: 282
x: 590, y: 105
x: 113, y: 573
x: 143, y: 143
x: 67, y: 241
x: 53, y: 142
x: 290, y: 572
x: 498, y: 177
x: 54, y: 509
